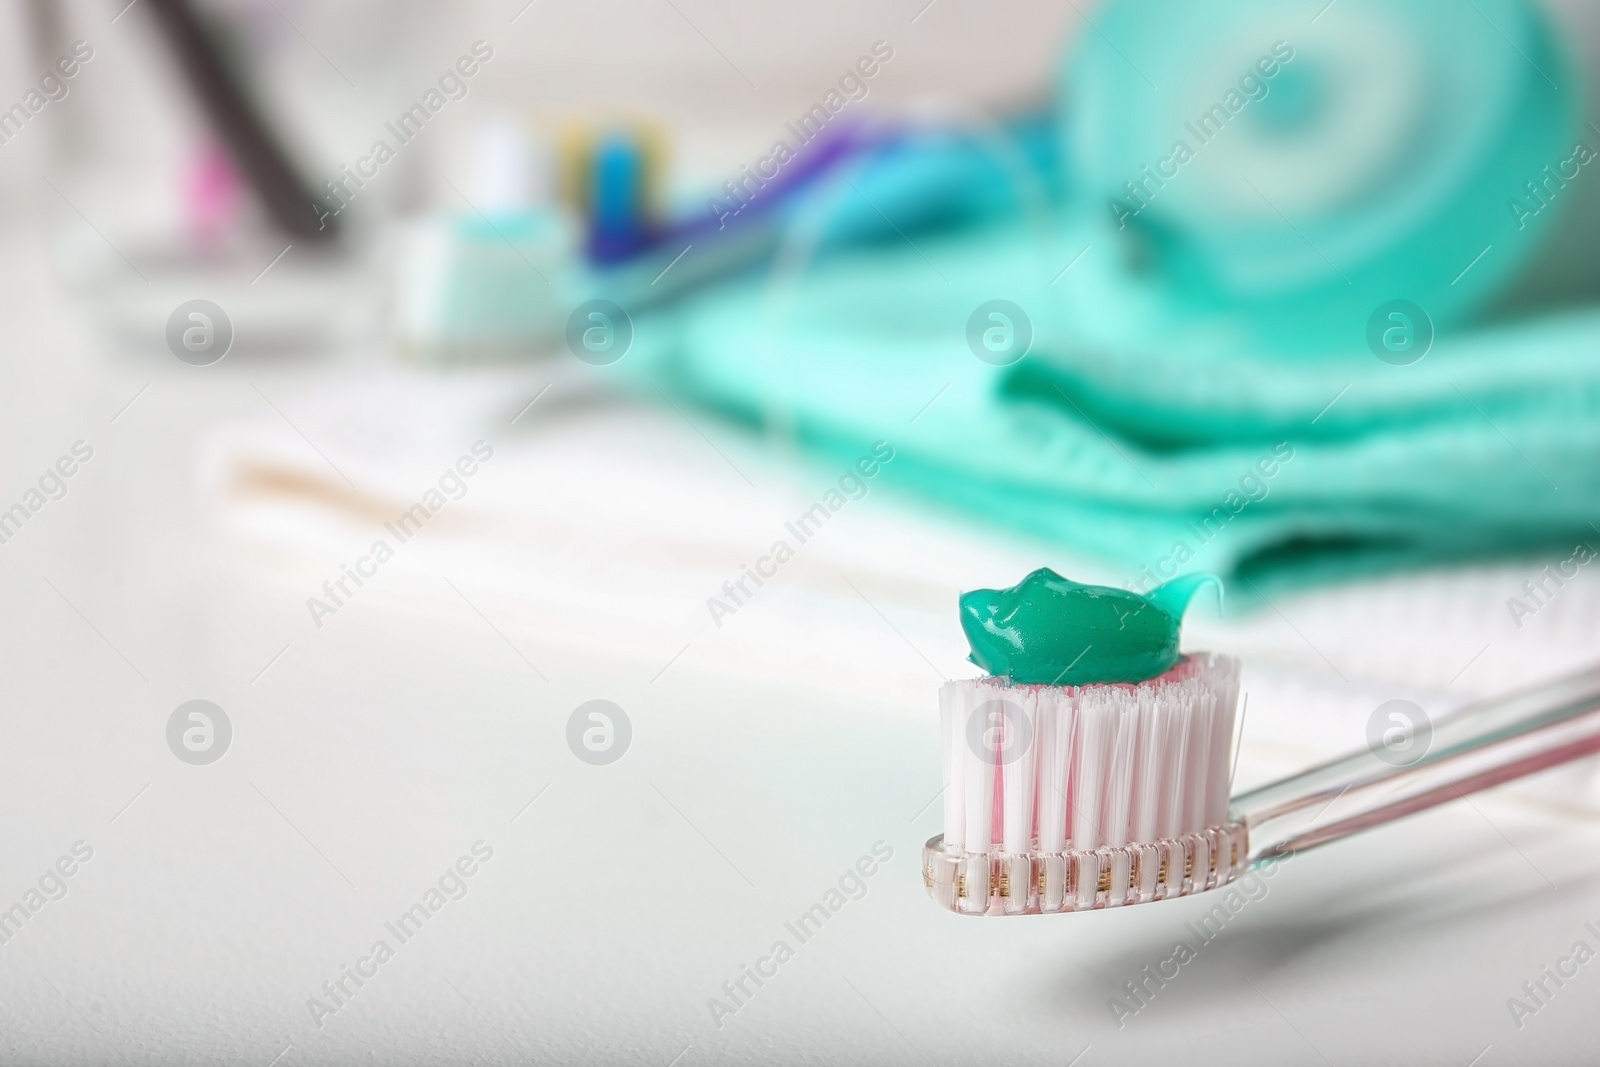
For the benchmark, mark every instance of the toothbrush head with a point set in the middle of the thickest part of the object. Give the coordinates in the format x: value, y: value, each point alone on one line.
x: 1073, y: 798
x: 1043, y: 883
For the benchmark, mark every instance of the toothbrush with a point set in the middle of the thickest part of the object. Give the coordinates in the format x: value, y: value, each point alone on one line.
x: 1102, y: 794
x: 1078, y: 797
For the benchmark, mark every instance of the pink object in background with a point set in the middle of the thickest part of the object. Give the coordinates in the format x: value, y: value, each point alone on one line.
x: 213, y: 192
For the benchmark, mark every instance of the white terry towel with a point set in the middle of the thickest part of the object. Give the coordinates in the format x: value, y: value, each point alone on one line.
x: 604, y: 525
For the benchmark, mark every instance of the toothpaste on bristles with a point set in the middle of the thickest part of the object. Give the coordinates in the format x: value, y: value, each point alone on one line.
x: 1091, y: 768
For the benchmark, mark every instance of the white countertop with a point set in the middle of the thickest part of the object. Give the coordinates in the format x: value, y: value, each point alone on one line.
x: 368, y: 755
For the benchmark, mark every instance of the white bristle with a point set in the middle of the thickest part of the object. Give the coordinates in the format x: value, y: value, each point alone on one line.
x: 1088, y: 766
x: 1220, y: 778
x: 1091, y: 759
x: 1054, y: 741
x: 1118, y: 784
x: 950, y: 720
x: 1198, y: 760
x: 977, y: 747
x: 1175, y: 765
x: 1147, y: 782
x: 1018, y: 762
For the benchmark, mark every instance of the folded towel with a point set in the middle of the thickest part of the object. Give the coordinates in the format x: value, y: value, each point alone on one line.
x: 1129, y: 434
x: 598, y: 530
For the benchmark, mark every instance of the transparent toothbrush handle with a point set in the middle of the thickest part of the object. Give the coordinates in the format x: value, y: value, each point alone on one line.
x: 1480, y: 746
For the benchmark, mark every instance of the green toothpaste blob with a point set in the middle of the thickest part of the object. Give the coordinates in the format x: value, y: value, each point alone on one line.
x: 1050, y: 630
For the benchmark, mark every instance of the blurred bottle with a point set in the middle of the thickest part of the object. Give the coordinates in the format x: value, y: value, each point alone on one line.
x: 492, y: 278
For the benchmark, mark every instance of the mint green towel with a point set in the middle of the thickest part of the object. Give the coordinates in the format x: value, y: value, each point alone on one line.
x: 1143, y: 438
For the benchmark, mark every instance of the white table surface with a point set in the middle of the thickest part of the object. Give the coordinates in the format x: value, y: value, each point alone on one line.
x: 374, y: 752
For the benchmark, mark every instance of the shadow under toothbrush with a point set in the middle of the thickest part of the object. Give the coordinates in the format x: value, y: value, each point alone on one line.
x: 1259, y: 943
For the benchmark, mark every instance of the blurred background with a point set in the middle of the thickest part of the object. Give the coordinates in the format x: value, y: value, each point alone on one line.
x: 400, y: 378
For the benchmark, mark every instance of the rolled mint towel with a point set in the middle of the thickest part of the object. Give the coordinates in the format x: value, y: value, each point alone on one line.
x: 1170, y: 445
